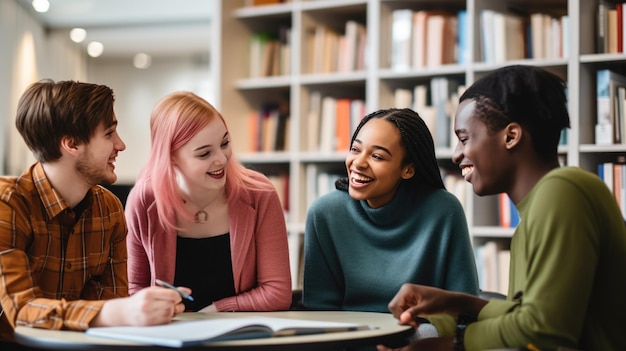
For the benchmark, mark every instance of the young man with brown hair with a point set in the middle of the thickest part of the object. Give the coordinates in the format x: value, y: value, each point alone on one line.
x: 62, y: 236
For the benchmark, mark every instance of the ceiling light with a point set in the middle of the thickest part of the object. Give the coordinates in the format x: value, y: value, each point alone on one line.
x: 142, y: 61
x: 78, y: 35
x: 41, y: 5
x: 95, y: 48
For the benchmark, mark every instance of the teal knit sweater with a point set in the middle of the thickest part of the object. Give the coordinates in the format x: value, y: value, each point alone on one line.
x: 357, y: 257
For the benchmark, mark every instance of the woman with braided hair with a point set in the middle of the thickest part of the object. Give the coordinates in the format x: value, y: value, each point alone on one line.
x: 389, y: 222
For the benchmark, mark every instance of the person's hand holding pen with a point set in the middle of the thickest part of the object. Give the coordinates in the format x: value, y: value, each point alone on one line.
x: 182, y: 293
x: 153, y: 305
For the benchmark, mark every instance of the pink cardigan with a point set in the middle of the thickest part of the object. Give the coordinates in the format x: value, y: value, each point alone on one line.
x: 259, y: 249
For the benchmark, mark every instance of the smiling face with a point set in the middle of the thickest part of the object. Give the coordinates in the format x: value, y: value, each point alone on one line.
x: 97, y: 163
x: 375, y: 163
x: 481, y: 154
x: 202, y: 161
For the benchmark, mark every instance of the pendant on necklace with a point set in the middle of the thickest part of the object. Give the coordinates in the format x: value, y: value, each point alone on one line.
x: 201, y: 216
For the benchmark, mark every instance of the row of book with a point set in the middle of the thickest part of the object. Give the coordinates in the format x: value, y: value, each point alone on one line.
x: 331, y: 122
x: 614, y: 176
x: 506, y: 37
x: 270, y: 54
x: 319, y: 181
x: 493, y: 263
x: 268, y: 128
x: 611, y: 30
x: 332, y: 51
x: 436, y: 103
x: 428, y: 38
x: 611, y: 107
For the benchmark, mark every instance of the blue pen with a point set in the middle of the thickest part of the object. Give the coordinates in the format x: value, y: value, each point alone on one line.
x: 167, y: 285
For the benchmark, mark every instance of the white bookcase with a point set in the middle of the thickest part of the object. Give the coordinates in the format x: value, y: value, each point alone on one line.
x: 239, y: 94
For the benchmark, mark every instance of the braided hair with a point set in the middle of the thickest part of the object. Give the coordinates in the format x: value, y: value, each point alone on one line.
x: 417, y: 141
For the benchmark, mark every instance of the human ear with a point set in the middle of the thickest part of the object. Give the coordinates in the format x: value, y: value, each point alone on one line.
x: 408, y: 172
x: 69, y: 145
x: 513, y: 133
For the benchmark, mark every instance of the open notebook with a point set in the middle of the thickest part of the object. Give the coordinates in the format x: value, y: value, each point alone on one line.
x: 186, y: 333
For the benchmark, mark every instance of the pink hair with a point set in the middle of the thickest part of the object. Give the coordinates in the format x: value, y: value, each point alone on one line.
x: 173, y: 122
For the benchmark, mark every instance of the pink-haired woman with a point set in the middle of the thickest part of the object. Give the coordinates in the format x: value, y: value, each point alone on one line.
x: 198, y: 218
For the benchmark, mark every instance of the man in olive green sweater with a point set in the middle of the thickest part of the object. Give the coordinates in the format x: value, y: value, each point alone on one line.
x: 567, y: 254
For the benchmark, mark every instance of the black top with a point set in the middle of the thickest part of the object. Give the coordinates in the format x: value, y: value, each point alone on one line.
x: 205, y: 266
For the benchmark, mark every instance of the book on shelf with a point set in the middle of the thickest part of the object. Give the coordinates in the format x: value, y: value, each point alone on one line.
x: 619, y: 11
x: 281, y: 184
x: 601, y: 27
x: 357, y: 112
x: 403, y: 98
x: 487, y: 39
x: 269, y: 54
x: 189, y: 333
x: 611, y: 26
x: 268, y: 128
x: 508, y: 33
x: 441, y: 91
x: 436, y: 104
x: 508, y: 214
x: 455, y: 184
x: 441, y: 30
x: 423, y: 107
x: 622, y: 25
x: 463, y: 55
x: 319, y: 182
x: 493, y: 265
x: 610, y: 30
x: 565, y: 36
x: 418, y: 39
x: 504, y: 267
x: 401, y: 39
x: 610, y: 124
x: 327, y: 142
x: 548, y: 36
x: 331, y: 122
x: 259, y: 53
x: 487, y: 266
x: 284, y: 55
x: 330, y: 52
x: 314, y: 116
x: 342, y: 124
x: 316, y: 49
x: 614, y: 176
x: 351, y: 55
x: 281, y: 141
x: 434, y: 39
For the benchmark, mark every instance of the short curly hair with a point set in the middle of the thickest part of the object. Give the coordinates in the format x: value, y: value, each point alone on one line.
x: 528, y: 95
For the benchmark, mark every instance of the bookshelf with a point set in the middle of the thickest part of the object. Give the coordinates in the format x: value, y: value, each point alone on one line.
x: 376, y: 81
